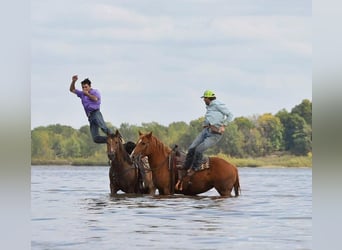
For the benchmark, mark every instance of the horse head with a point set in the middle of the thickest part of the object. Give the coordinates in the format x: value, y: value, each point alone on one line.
x: 142, y: 147
x: 113, y: 143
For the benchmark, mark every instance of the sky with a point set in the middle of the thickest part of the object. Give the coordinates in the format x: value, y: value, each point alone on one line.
x: 151, y: 60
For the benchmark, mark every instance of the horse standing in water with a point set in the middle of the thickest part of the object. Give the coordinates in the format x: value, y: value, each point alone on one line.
x: 220, y: 175
x: 124, y: 174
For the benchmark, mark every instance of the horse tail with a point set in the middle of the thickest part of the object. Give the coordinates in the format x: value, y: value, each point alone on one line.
x: 172, y: 165
x: 237, y: 189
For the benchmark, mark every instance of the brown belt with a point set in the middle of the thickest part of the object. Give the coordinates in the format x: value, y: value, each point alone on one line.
x: 213, y: 129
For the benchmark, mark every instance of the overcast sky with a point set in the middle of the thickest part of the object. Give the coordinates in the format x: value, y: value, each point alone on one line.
x: 151, y: 60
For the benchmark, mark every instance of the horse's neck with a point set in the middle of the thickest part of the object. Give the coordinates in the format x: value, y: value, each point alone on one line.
x: 160, y: 153
x: 122, y: 156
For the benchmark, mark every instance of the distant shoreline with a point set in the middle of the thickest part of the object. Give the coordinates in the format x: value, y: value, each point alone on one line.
x: 264, y: 162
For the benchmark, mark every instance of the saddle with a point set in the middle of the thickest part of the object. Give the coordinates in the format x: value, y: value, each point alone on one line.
x: 182, y: 172
x: 142, y: 167
x: 180, y: 159
x: 204, y: 163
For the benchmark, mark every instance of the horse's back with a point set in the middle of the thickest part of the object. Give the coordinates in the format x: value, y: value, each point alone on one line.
x: 222, y: 169
x: 221, y: 164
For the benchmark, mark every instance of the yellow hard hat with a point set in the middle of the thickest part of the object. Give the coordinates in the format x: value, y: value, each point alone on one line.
x: 208, y: 93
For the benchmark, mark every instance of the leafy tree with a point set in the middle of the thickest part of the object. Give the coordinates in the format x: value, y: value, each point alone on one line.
x: 176, y: 131
x: 72, y: 148
x: 40, y: 141
x: 246, y: 127
x: 57, y: 146
x: 254, y: 146
x: 190, y: 134
x: 244, y: 124
x: 302, y: 143
x: 157, y: 130
x: 304, y: 110
x: 285, y: 119
x: 232, y: 141
x: 244, y: 137
x: 297, y: 134
x: 63, y: 130
x: 129, y: 133
x: 85, y: 130
x: 271, y: 130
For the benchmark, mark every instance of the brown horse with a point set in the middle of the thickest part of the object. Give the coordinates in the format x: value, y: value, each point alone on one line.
x: 220, y: 175
x: 124, y: 174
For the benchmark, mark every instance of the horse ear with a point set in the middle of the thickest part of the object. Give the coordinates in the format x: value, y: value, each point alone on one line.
x: 140, y: 134
x: 149, y: 134
x: 117, y: 134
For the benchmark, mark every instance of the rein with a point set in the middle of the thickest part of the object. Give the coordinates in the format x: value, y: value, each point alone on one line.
x: 163, y: 152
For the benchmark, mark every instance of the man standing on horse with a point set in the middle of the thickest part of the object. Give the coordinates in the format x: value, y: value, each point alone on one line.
x: 216, y: 117
x: 91, y: 101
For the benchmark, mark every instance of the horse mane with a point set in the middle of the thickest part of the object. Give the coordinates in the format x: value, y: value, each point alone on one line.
x: 125, y: 148
x: 160, y: 145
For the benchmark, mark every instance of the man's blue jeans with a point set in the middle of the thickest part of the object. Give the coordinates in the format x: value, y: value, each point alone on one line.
x: 96, y: 122
x: 205, y: 140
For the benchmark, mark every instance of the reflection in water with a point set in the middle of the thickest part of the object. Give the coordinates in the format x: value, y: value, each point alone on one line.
x: 71, y: 214
x: 95, y: 204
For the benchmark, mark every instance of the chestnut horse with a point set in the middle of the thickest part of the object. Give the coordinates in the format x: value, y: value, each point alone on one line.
x: 123, y: 173
x: 220, y: 175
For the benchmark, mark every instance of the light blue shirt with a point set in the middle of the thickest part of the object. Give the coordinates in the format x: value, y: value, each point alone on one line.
x: 217, y: 114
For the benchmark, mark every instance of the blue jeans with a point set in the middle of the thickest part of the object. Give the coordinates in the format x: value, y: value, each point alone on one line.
x: 205, y: 140
x: 96, y: 121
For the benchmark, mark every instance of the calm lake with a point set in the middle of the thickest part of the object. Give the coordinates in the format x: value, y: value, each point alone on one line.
x: 71, y: 209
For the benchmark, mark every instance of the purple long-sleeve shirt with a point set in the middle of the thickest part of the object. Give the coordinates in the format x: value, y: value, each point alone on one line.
x: 88, y: 104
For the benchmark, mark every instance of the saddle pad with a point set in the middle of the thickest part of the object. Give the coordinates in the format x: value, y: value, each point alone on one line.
x: 205, y: 163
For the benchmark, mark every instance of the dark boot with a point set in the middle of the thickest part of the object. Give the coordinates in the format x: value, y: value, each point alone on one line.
x: 196, y: 164
x: 189, y: 158
x: 197, y: 161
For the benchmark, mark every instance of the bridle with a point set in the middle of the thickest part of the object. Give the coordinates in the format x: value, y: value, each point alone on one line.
x: 139, y: 156
x: 111, y: 151
x: 110, y: 148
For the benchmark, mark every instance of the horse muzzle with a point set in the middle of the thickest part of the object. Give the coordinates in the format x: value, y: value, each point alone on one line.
x: 111, y: 156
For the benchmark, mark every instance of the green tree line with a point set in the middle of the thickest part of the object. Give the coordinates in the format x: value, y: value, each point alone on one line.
x: 244, y: 137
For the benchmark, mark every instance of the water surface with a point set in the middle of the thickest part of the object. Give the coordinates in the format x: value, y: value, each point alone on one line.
x: 71, y: 209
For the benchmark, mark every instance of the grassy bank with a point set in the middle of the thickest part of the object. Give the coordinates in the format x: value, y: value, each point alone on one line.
x: 269, y: 161
x: 272, y: 161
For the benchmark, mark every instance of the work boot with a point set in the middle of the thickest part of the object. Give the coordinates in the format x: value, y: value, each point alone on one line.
x: 196, y: 164
x: 189, y: 159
